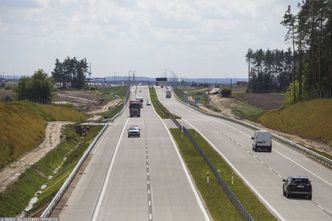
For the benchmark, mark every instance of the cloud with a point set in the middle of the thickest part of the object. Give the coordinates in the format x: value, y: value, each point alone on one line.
x: 191, y: 37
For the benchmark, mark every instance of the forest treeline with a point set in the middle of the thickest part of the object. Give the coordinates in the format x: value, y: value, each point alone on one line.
x: 71, y: 73
x: 308, y: 65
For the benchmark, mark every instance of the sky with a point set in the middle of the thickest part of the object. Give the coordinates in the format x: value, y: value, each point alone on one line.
x: 191, y: 38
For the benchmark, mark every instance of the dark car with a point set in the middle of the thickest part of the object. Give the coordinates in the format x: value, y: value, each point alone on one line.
x: 297, y: 185
x: 134, y: 131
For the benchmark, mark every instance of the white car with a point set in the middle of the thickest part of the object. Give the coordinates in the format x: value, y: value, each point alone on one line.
x: 134, y: 131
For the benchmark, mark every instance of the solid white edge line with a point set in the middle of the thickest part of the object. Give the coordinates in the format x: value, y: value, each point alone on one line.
x: 193, y: 188
x: 234, y: 128
x: 101, y: 197
x: 238, y: 173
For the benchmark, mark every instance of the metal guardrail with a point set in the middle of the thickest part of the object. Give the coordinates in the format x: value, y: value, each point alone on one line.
x: 228, y: 190
x: 56, y: 199
x: 316, y: 156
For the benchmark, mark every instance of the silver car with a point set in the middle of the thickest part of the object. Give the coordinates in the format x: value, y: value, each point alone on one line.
x: 134, y: 131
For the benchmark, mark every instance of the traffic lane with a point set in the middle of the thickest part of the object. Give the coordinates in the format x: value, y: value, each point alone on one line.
x: 233, y: 141
x: 172, y: 196
x: 82, y: 201
x: 126, y: 195
x: 262, y: 177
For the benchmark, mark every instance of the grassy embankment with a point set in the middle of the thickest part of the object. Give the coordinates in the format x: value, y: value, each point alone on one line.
x: 246, y: 111
x: 22, y: 126
x: 160, y: 109
x: 57, y: 163
x: 113, y: 93
x: 218, y: 203
x: 309, y: 119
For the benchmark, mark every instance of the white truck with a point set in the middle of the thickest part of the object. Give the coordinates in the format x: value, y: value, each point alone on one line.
x: 262, y: 140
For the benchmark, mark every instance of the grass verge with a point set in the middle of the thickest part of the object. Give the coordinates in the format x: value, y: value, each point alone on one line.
x: 160, y: 109
x: 216, y: 200
x: 57, y: 163
x: 113, y: 111
x: 112, y: 93
x: 246, y: 111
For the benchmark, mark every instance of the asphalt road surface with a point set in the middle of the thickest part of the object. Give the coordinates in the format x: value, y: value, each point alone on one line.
x: 135, y: 178
x: 263, y: 172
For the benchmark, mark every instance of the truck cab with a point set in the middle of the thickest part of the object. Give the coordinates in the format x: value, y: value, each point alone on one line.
x: 168, y: 94
x: 135, y: 108
x: 262, y: 141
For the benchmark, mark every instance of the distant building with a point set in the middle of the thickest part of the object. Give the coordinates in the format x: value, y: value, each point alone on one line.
x: 241, y: 83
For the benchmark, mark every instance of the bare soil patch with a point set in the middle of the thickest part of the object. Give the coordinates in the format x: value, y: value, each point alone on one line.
x: 52, y: 138
x: 266, y: 101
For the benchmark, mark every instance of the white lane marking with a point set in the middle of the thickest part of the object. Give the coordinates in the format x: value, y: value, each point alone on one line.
x: 246, y: 181
x: 101, y: 197
x: 193, y: 188
x: 309, y: 171
x: 274, y: 150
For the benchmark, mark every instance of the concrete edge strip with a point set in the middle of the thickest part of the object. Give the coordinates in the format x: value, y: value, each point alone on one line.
x: 272, y: 209
x: 195, y: 191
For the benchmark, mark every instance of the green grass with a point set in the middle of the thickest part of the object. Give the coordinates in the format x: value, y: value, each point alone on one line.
x: 113, y: 111
x: 16, y: 197
x: 328, y: 156
x: 249, y: 112
x: 22, y: 126
x: 112, y: 93
x: 160, y: 109
x: 310, y: 119
x: 216, y: 200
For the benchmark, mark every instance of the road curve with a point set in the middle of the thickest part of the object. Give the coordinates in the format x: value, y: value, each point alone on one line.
x: 263, y: 172
x: 135, y: 178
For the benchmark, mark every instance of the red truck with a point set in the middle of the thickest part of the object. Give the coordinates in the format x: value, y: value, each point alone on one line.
x: 135, y: 108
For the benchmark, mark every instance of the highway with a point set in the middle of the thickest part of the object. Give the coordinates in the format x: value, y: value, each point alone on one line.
x: 135, y: 178
x: 263, y: 172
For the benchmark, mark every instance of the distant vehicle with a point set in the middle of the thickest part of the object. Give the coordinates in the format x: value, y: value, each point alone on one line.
x: 134, y: 131
x: 140, y: 99
x: 140, y: 84
x: 162, y: 86
x: 135, y: 108
x: 262, y: 140
x: 297, y: 185
x: 168, y: 94
x: 148, y: 103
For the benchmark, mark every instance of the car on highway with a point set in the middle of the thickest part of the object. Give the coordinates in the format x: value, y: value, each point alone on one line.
x: 148, y: 103
x: 262, y: 140
x: 134, y: 131
x: 297, y: 185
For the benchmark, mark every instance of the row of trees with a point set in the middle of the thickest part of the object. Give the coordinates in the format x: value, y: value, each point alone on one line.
x: 310, y: 31
x: 269, y: 70
x: 309, y: 67
x: 71, y: 73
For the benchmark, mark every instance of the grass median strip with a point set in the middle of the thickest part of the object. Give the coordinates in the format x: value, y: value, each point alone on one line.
x: 215, y: 198
x: 160, y: 109
x: 52, y: 169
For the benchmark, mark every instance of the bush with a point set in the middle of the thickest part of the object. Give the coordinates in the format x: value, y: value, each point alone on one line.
x: 226, y: 92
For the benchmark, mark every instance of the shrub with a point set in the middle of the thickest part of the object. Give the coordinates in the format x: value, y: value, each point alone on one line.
x: 226, y: 92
